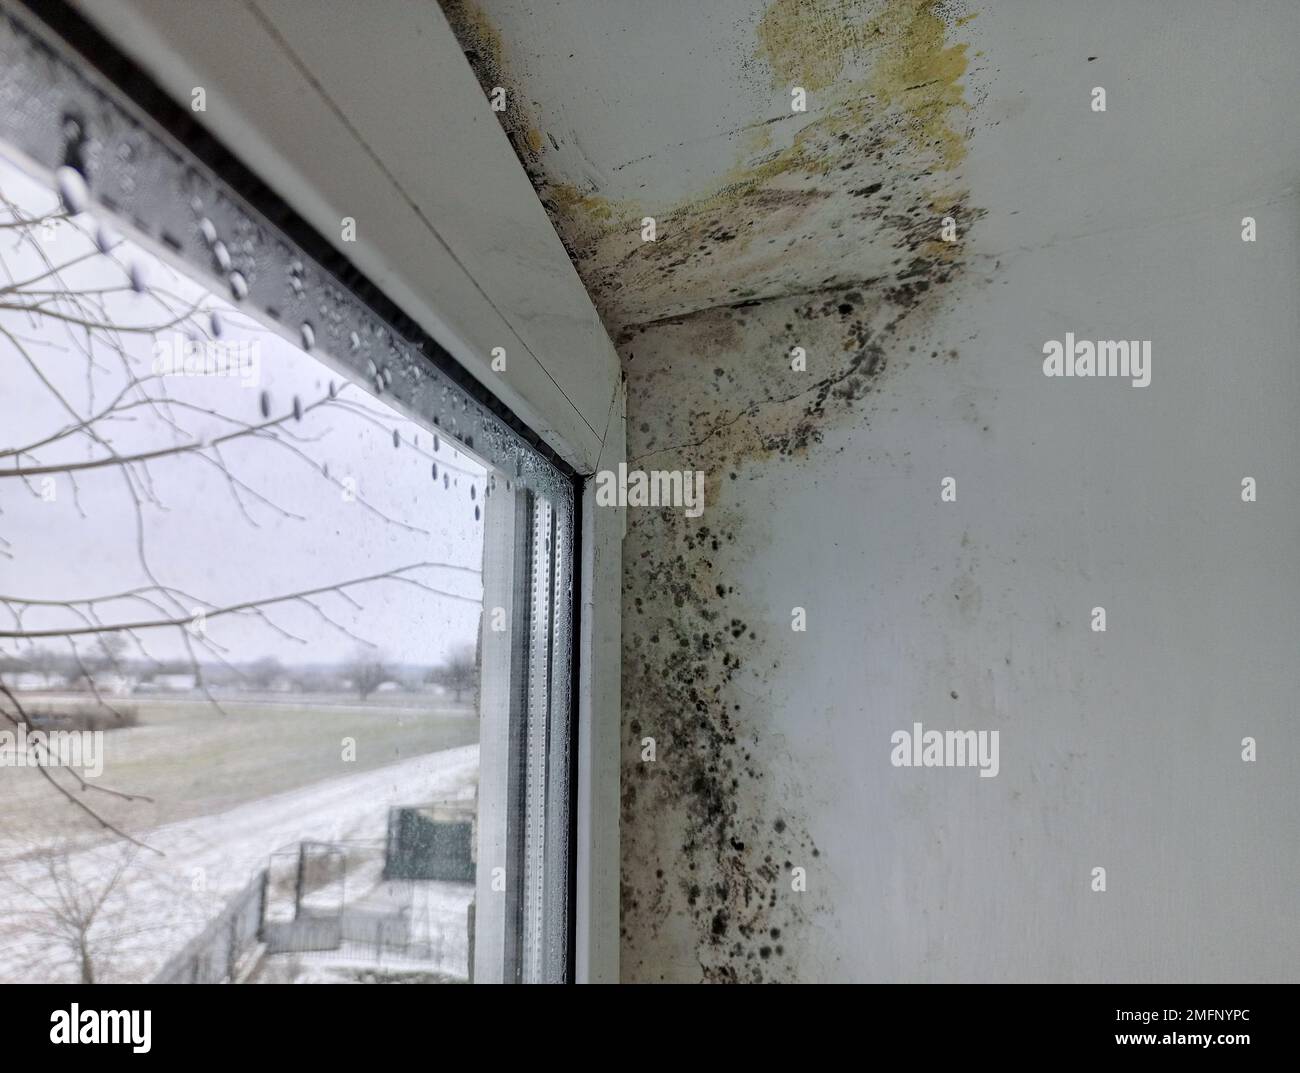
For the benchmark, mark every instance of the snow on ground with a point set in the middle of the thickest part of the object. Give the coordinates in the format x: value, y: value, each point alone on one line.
x: 162, y: 902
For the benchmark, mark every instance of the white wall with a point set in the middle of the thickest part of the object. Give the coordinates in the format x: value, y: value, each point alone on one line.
x: 1119, y: 749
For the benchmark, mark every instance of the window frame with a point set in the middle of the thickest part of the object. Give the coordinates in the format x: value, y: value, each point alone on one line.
x: 182, y: 174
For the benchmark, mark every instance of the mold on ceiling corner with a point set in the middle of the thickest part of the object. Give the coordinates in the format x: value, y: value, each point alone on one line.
x: 766, y: 201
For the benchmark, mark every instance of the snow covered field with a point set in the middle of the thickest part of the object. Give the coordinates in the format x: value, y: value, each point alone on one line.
x: 160, y: 902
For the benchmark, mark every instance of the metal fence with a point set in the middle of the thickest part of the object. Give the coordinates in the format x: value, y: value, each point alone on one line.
x: 214, y: 955
x: 318, y: 898
x: 337, y: 897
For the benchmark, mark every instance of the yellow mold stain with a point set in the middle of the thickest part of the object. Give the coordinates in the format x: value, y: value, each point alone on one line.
x: 824, y: 44
x: 919, y: 72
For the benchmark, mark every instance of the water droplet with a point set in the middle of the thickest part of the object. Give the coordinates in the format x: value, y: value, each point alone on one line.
x: 215, y: 325
x: 473, y: 492
x: 477, y: 514
x: 397, y: 438
x: 356, y: 341
x: 445, y: 482
x: 371, y: 368
x: 208, y: 230
x: 388, y: 376
x: 436, y: 442
x: 435, y: 471
x: 222, y: 255
x: 308, y: 335
x: 238, y: 285
x: 266, y: 404
x: 334, y: 390
x: 135, y: 272
x: 73, y: 191
x: 105, y: 238
x: 297, y: 408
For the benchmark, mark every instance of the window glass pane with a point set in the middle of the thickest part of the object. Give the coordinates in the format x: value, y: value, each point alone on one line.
x: 284, y: 660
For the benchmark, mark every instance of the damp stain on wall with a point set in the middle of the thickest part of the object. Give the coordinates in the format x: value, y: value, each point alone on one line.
x: 824, y: 231
x: 821, y: 199
x: 785, y: 211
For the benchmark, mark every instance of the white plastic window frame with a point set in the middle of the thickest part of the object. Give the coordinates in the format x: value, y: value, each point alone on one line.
x: 56, y: 110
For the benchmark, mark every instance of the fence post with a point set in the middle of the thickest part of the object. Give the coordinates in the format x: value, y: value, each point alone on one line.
x: 261, y: 903
x: 297, y: 886
x: 232, y: 946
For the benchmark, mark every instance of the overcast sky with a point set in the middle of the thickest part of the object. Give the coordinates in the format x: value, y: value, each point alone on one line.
x: 195, y: 536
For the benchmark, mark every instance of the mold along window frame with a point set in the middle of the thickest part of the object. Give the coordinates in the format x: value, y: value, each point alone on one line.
x: 68, y: 97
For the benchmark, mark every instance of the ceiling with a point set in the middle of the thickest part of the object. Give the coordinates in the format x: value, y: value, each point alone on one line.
x: 917, y: 110
x: 621, y: 112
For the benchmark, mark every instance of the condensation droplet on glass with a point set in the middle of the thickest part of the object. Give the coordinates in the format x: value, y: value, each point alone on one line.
x: 308, y: 335
x: 135, y: 273
x: 297, y: 408
x: 435, y: 471
x: 73, y: 191
x: 397, y: 438
x: 215, y: 325
x: 446, y: 483
x: 105, y: 238
x: 371, y: 368
x: 473, y: 492
x: 208, y: 230
x: 266, y: 404
x: 477, y: 514
x: 222, y: 256
x: 355, y: 340
x: 436, y: 442
x: 334, y: 389
x: 238, y: 285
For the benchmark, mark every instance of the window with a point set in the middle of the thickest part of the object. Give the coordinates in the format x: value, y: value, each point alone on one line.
x: 286, y: 604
